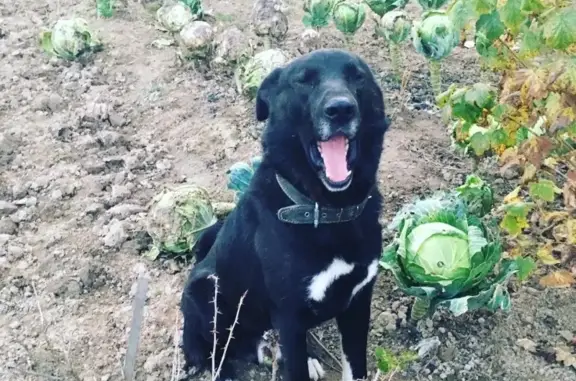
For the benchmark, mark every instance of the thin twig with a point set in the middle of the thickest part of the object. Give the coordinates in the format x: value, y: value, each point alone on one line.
x: 175, y: 374
x: 231, y: 330
x: 214, y: 322
x: 38, y: 304
x: 317, y: 340
x: 518, y: 59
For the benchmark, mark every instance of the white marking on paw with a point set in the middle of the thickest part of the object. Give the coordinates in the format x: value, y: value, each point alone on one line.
x: 322, y: 281
x: 315, y: 370
x: 347, y: 374
x: 260, y: 351
x: 372, y: 271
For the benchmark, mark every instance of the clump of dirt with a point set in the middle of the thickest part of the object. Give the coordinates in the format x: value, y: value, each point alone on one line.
x: 85, y: 146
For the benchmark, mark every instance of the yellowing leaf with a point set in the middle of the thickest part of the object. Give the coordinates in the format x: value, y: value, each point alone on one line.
x: 544, y: 190
x: 534, y: 86
x: 536, y: 149
x: 544, y: 254
x: 513, y: 197
x: 529, y: 173
x: 550, y: 162
x: 554, y: 217
x: 571, y: 231
x: 558, y: 279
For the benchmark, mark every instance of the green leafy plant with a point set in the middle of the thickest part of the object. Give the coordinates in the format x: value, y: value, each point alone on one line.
x: 446, y: 256
x: 195, y: 7
x: 435, y: 37
x: 432, y: 4
x: 390, y: 363
x: 478, y: 195
x: 105, y: 8
x: 529, y: 122
x: 381, y: 7
x: 70, y: 39
x: 395, y: 27
x: 317, y: 13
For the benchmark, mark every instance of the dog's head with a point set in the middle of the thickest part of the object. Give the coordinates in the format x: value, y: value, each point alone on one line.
x: 326, y: 119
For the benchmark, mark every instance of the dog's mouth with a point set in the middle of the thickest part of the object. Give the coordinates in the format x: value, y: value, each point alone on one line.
x: 333, y: 159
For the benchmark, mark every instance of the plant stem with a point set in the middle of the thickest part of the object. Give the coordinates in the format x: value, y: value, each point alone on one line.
x: 435, y: 76
x: 267, y: 43
x: 420, y: 308
x: 395, y: 56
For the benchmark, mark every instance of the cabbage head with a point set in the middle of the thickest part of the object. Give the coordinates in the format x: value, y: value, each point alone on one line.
x: 435, y: 36
x: 253, y: 72
x: 70, y: 39
x: 177, y: 217
x: 446, y: 255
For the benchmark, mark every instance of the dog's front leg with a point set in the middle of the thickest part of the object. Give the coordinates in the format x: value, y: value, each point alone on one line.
x: 354, y: 324
x: 294, y: 349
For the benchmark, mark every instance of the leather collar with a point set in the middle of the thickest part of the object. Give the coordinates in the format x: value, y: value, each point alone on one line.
x: 306, y: 211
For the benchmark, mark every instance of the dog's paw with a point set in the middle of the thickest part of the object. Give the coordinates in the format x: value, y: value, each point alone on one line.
x: 315, y: 369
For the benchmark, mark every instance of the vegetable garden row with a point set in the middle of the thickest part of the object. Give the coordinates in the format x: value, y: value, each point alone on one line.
x: 456, y: 249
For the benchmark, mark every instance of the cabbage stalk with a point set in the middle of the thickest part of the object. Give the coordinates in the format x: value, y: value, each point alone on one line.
x: 395, y: 27
x: 70, y: 39
x: 446, y: 256
x: 348, y: 16
x: 250, y: 75
x: 435, y: 37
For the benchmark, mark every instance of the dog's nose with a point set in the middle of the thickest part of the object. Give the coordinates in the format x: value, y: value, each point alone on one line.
x: 340, y: 109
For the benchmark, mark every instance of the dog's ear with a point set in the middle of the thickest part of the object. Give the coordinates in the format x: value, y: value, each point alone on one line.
x: 265, y: 94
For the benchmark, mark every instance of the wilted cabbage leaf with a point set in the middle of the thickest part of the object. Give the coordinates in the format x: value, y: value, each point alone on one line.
x: 253, y: 72
x: 232, y: 46
x: 70, y: 39
x: 477, y: 194
x: 177, y: 216
x: 394, y: 26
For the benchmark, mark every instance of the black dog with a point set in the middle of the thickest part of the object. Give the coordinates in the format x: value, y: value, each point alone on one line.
x: 305, y: 239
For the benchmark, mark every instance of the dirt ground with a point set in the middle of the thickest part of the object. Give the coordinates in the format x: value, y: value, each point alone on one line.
x: 84, y: 148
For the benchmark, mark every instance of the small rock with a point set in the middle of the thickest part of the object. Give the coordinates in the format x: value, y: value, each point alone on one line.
x: 7, y: 208
x: 388, y: 320
x: 567, y: 335
x: 511, y: 171
x: 27, y: 201
x: 7, y: 226
x: 40, y: 103
x: 15, y: 324
x: 124, y: 211
x: 427, y: 346
x: 448, y: 352
x: 527, y: 344
x: 109, y: 138
x: 56, y: 194
x: 86, y: 276
x: 94, y: 168
x: 120, y: 192
x: 19, y: 191
x: 116, y: 120
x: 16, y: 252
x: 55, y: 102
x: 116, y: 235
x: 94, y: 208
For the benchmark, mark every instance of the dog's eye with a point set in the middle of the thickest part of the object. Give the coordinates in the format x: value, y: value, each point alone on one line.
x: 355, y: 74
x: 306, y: 77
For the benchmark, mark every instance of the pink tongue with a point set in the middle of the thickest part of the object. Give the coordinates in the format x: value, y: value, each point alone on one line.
x: 333, y: 153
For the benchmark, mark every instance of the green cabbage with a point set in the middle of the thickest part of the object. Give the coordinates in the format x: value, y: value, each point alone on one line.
x: 435, y: 36
x: 394, y: 26
x: 348, y: 16
x: 70, y: 39
x: 317, y: 13
x: 177, y: 217
x: 252, y: 73
x: 240, y: 174
x: 446, y: 256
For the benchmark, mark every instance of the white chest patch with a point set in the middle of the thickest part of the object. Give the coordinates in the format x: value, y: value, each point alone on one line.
x: 323, y: 280
x: 372, y: 271
x: 338, y: 268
